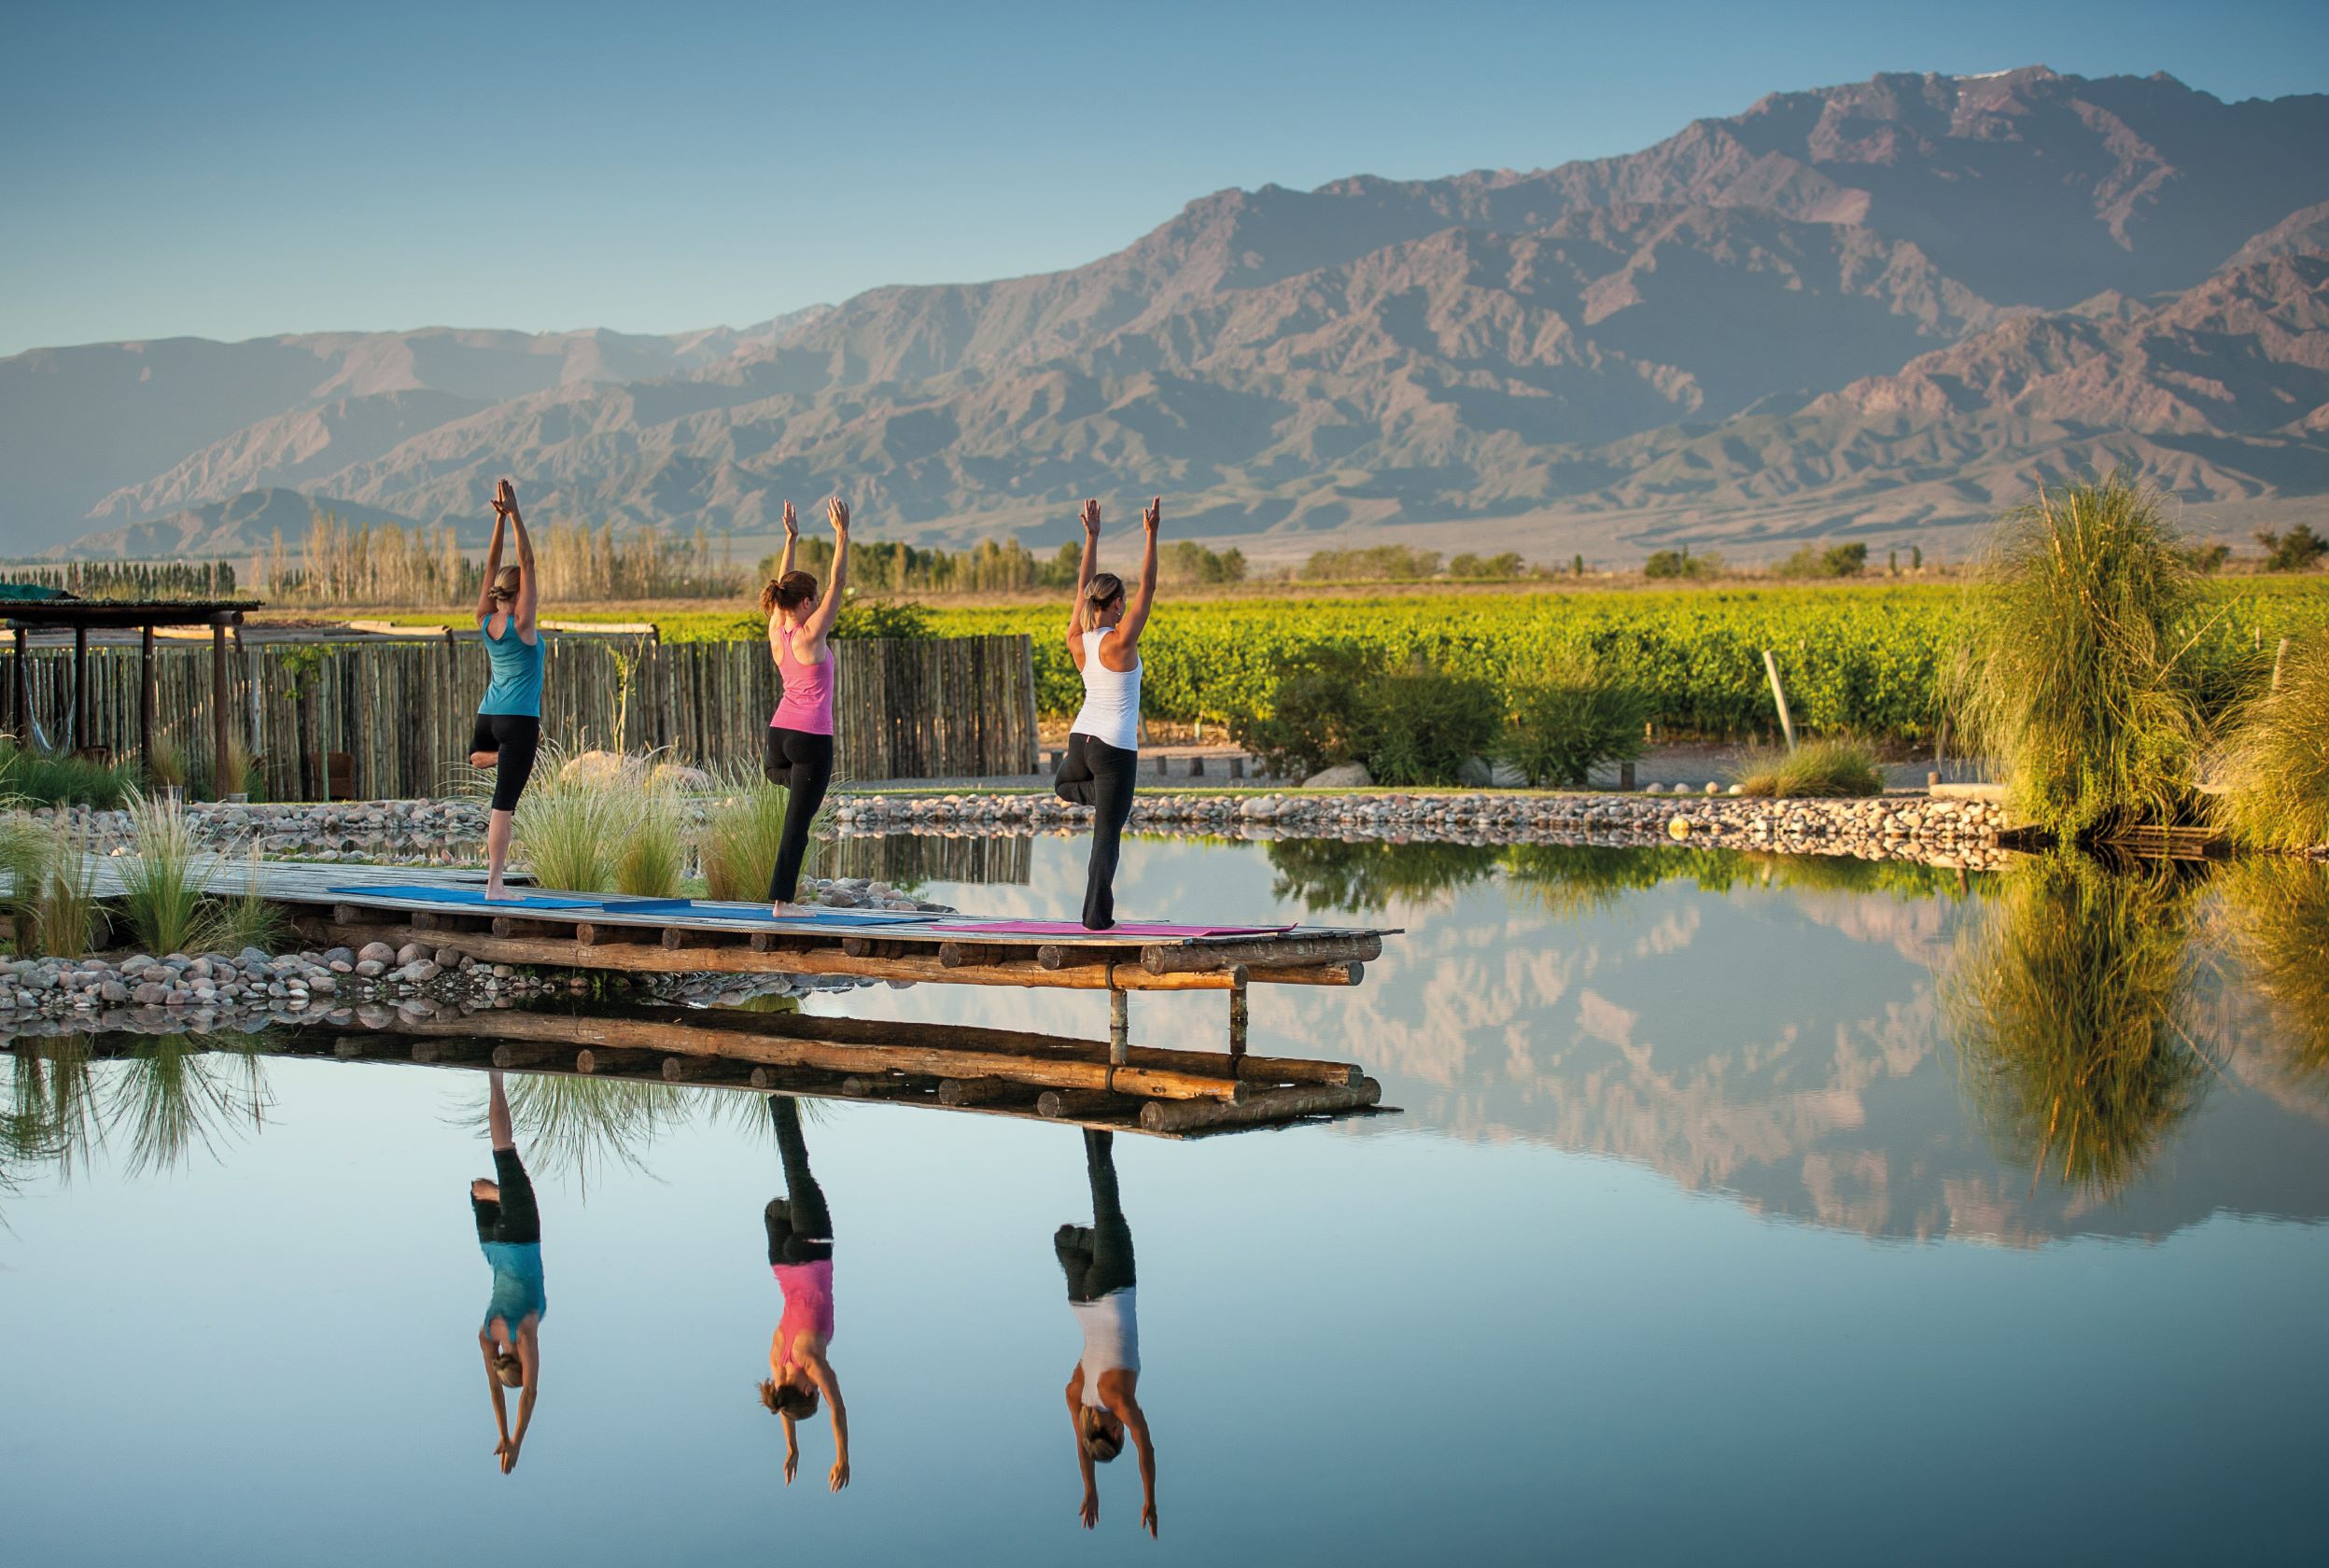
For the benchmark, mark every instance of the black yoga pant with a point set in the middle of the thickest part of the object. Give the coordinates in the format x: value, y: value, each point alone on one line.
x: 1100, y: 776
x: 514, y: 1218
x: 515, y: 737
x: 800, y: 1227
x: 1097, y: 1258
x: 803, y: 763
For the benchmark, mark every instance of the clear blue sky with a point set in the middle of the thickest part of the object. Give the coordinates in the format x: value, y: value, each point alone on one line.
x: 233, y: 171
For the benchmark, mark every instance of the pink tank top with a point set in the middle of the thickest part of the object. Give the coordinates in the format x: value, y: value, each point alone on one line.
x: 808, y: 705
x: 807, y: 1303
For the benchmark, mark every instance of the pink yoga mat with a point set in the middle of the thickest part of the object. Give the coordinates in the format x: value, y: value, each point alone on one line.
x: 1076, y: 928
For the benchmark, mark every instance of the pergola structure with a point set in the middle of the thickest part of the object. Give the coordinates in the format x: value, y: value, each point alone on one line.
x: 82, y: 616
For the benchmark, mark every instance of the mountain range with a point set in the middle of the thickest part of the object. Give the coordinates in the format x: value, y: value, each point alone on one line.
x: 1882, y: 310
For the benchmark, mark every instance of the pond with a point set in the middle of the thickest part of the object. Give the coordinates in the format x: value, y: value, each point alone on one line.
x: 1736, y: 1209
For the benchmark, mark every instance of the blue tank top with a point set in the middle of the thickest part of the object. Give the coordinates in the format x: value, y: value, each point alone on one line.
x: 517, y: 1288
x: 516, y: 667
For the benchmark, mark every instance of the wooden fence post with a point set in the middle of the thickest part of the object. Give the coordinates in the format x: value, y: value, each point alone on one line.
x: 1779, y: 696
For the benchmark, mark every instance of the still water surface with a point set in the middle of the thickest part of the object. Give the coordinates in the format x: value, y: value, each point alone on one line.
x: 1739, y: 1211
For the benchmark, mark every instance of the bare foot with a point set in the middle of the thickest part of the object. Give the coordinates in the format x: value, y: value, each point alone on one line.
x: 782, y: 911
x: 496, y: 892
x: 484, y: 758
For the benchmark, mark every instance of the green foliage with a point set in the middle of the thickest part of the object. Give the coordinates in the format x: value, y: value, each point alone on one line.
x: 2274, y: 913
x: 1187, y: 562
x: 1487, y: 567
x: 1681, y: 564
x: 2207, y: 559
x: 1357, y: 879
x: 162, y: 879
x: 62, y: 780
x: 247, y: 920
x: 52, y: 889
x: 134, y: 579
x: 2275, y: 756
x: 1386, y: 563
x: 743, y: 829
x: 166, y: 762
x: 650, y: 861
x: 1421, y: 725
x: 1817, y: 769
x: 1835, y: 560
x: 879, y: 618
x: 2078, y: 673
x: 571, y: 821
x: 1574, y: 714
x: 2073, y: 1008
x: 1317, y: 717
x: 2297, y: 550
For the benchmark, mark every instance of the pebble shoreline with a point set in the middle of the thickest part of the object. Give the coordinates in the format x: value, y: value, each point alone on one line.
x: 1888, y: 827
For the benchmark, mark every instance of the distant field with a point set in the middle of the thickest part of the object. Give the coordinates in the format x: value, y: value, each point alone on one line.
x: 1863, y: 659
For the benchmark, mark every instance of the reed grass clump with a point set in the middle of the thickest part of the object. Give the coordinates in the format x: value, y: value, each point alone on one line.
x: 2275, y: 756
x: 651, y: 860
x: 743, y: 828
x: 2077, y: 674
x: 62, y: 780
x: 1829, y: 769
x: 1573, y: 715
x: 52, y: 896
x: 2273, y: 911
x: 161, y: 883
x: 2072, y: 1007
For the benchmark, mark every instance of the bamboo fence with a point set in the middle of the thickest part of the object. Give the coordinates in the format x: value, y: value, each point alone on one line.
x: 381, y: 719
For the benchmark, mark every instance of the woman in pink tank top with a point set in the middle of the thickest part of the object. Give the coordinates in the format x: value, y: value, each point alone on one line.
x: 800, y: 734
x: 800, y: 1255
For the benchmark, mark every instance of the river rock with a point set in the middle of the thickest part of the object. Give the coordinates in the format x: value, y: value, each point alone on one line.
x: 1346, y: 775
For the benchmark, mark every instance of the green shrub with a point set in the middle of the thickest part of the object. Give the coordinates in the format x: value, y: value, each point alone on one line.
x: 1422, y: 724
x: 2077, y: 673
x: 62, y: 780
x: 1318, y: 717
x: 1471, y: 568
x: 1815, y: 770
x: 881, y: 618
x: 2277, y: 757
x: 2297, y: 550
x: 1835, y: 560
x: 1390, y: 563
x: 743, y: 829
x: 162, y: 879
x: 1571, y: 717
x: 1681, y: 564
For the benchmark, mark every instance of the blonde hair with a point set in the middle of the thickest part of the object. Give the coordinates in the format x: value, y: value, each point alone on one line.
x: 511, y: 1370
x: 1105, y: 586
x: 507, y: 581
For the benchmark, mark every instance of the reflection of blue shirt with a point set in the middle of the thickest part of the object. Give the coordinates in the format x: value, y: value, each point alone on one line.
x: 516, y: 667
x: 516, y: 1282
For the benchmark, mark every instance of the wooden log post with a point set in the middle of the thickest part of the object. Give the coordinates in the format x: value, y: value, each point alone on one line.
x: 221, y: 712
x: 1269, y: 1105
x: 522, y: 1054
x: 1779, y: 696
x: 1170, y: 957
x: 1237, y: 1019
x: 878, y: 1085
x: 972, y: 955
x: 979, y: 1091
x: 21, y: 720
x: 1119, y: 1026
x: 80, y: 688
x: 1056, y: 1103
x: 146, y: 696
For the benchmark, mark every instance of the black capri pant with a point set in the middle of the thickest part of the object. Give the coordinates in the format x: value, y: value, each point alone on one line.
x: 1100, y: 776
x: 803, y: 763
x: 799, y: 1227
x: 515, y: 737
x: 1097, y: 1258
x: 513, y: 1218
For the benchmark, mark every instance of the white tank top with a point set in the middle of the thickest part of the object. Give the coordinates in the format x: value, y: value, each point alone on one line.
x: 1111, y: 699
x: 1112, y: 1338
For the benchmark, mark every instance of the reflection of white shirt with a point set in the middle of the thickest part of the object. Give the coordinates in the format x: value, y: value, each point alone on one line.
x: 1111, y: 713
x: 1112, y: 1338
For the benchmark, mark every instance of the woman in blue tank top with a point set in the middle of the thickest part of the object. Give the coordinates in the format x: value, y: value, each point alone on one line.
x: 509, y: 1233
x: 508, y: 720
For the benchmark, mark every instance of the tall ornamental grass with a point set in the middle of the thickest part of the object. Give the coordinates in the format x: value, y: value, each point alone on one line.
x: 162, y: 882
x: 2275, y: 756
x: 52, y: 893
x: 2075, y: 674
x: 598, y: 823
x: 743, y: 827
x: 2073, y: 1008
x: 1815, y: 770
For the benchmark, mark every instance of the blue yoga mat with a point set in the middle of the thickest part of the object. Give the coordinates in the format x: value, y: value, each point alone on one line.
x: 423, y: 893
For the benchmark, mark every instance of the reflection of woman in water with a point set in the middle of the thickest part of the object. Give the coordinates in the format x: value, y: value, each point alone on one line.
x: 800, y: 1253
x: 1101, y: 1400
x: 509, y: 1230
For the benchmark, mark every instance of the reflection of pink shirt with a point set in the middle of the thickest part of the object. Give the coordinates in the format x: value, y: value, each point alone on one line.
x: 807, y: 1303
x: 807, y: 703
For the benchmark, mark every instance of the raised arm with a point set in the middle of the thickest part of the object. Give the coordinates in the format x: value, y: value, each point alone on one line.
x: 1089, y: 517
x: 1136, y: 1428
x: 500, y: 1407
x: 791, y: 536
x: 1088, y: 1509
x: 1144, y: 595
x: 493, y: 558
x: 820, y: 1372
x: 529, y: 1360
x: 528, y: 580
x: 820, y: 625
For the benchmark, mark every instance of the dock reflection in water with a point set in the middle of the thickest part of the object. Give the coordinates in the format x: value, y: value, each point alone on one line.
x: 1546, y: 1312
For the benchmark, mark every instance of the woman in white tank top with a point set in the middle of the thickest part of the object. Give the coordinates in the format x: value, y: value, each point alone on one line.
x: 1103, y: 1400
x: 1103, y: 746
